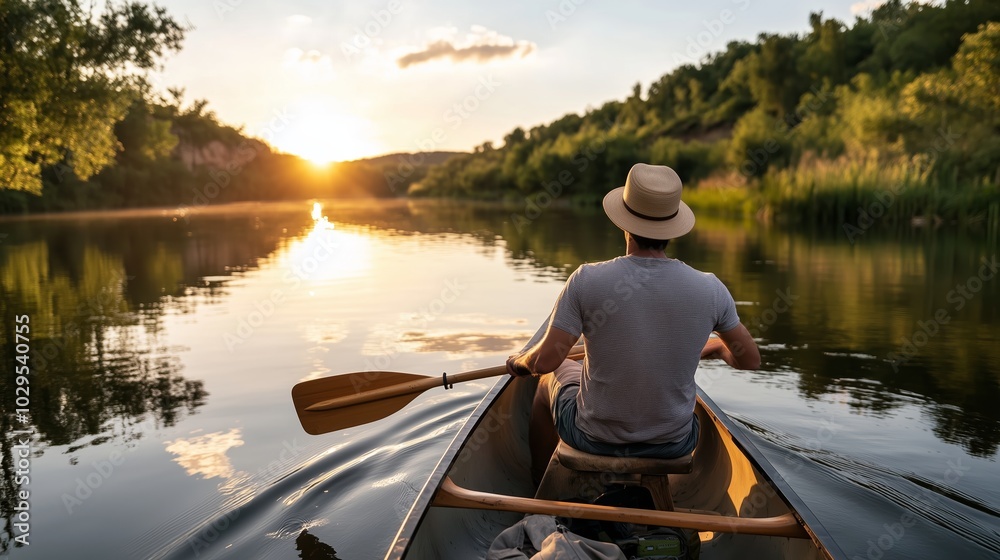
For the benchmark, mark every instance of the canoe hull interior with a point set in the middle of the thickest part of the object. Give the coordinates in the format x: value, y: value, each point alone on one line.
x: 495, y: 458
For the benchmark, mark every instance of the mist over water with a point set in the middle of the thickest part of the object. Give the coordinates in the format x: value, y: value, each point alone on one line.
x: 164, y: 348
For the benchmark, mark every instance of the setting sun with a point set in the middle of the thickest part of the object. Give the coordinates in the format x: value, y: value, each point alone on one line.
x: 320, y: 131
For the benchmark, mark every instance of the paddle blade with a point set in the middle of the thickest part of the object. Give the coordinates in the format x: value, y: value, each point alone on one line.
x: 308, y: 393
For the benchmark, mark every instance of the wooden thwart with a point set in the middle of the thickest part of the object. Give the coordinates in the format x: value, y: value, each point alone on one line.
x: 452, y: 495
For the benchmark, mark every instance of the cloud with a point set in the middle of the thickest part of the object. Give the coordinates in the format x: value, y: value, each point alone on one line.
x: 298, y: 20
x: 480, y: 45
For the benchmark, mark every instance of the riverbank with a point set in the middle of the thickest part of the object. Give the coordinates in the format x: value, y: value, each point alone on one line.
x: 853, y: 195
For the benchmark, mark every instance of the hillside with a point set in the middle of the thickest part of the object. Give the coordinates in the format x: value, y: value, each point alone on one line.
x: 806, y: 125
x: 82, y: 127
x: 170, y: 154
x: 400, y: 158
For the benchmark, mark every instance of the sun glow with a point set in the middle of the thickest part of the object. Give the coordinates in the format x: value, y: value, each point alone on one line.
x: 326, y: 254
x: 320, y: 131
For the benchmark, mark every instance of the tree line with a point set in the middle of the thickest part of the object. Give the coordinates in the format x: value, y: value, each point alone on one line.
x: 81, y: 125
x: 812, y: 124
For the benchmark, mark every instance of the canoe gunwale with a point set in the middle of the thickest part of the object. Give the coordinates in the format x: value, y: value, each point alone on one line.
x: 799, y: 509
x: 422, y: 503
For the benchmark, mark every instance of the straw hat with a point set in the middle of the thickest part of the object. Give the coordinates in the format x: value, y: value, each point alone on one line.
x: 649, y: 205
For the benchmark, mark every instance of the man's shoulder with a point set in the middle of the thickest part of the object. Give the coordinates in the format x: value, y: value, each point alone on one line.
x: 694, y: 272
x: 601, y: 268
x: 643, y: 268
x: 600, y: 265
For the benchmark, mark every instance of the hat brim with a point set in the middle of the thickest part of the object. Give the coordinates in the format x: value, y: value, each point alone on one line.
x: 614, y: 207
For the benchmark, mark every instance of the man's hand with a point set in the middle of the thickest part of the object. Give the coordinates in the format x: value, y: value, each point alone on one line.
x: 517, y: 366
x: 736, y: 347
x: 713, y: 349
x: 545, y: 356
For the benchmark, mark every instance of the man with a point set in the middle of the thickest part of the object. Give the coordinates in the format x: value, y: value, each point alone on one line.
x: 646, y: 321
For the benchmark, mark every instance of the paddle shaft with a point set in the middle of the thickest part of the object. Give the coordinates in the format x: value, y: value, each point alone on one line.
x: 417, y: 386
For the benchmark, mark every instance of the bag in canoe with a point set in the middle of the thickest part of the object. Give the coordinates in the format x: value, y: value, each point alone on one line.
x: 638, y: 541
x: 540, y: 537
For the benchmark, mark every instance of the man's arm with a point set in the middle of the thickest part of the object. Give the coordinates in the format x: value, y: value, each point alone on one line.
x: 545, y: 356
x: 736, y: 347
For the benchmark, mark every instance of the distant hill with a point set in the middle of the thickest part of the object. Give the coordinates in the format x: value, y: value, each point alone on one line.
x: 426, y: 158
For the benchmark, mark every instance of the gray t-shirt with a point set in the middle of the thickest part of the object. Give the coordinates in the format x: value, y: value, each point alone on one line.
x: 645, y: 322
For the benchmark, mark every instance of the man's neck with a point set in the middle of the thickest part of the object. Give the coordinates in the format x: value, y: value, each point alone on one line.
x: 647, y: 253
x: 632, y: 249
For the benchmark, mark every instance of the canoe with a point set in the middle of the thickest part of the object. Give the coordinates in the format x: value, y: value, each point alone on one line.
x: 733, y: 496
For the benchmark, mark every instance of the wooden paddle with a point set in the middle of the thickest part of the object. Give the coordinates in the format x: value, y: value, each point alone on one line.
x: 344, y: 401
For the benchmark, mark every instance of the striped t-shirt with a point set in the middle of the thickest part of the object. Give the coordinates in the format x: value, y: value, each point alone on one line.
x: 645, y: 322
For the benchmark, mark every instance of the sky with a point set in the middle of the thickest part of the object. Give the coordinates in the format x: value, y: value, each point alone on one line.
x: 338, y: 80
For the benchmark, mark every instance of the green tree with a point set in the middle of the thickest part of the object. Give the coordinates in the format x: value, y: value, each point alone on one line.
x: 773, y: 74
x: 760, y: 141
x: 66, y: 77
x: 955, y: 113
x: 825, y: 54
x: 144, y: 137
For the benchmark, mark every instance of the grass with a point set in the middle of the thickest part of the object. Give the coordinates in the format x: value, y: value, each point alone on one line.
x: 854, y: 191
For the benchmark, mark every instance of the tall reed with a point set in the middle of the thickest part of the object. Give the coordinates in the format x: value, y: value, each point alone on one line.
x: 859, y: 190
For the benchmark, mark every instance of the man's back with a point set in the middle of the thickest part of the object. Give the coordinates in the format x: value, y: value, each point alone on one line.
x: 645, y: 321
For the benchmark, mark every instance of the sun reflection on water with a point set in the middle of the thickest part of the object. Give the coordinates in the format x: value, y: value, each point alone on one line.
x: 326, y: 253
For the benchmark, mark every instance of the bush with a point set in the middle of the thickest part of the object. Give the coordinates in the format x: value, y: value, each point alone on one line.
x: 759, y: 142
x: 692, y: 160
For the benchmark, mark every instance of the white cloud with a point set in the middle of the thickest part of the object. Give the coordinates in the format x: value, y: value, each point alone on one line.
x: 480, y: 45
x: 299, y: 20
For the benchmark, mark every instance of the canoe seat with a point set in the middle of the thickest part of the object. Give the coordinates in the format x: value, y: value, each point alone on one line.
x: 582, y: 461
x: 574, y: 474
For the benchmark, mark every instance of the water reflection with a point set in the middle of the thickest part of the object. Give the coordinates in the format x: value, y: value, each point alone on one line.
x: 100, y: 294
x: 326, y: 254
x: 464, y: 343
x: 205, y: 456
x: 98, y: 371
x: 311, y: 548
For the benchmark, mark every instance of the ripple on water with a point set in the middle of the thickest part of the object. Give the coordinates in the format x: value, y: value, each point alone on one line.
x: 348, y: 500
x: 877, y: 497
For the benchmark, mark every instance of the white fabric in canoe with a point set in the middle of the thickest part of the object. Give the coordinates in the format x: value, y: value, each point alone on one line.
x: 552, y: 541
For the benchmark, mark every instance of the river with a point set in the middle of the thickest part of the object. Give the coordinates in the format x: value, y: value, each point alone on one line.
x: 162, y: 347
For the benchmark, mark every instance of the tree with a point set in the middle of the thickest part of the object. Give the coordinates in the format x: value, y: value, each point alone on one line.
x: 825, y: 56
x: 760, y: 141
x: 66, y: 77
x: 955, y: 111
x: 142, y: 136
x: 774, y: 77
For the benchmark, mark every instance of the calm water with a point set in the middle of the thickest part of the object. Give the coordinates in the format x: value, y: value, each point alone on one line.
x: 163, y: 349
